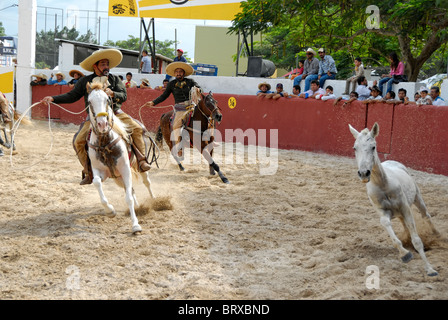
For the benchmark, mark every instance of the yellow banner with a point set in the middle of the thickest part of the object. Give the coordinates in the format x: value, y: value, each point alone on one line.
x: 177, y: 9
x: 7, y: 82
x: 123, y: 8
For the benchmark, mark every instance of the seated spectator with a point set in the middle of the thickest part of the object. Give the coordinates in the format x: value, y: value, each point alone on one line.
x: 353, y: 97
x: 359, y: 71
x: 327, y: 67
x: 280, y: 93
x: 41, y: 80
x: 425, y: 98
x: 328, y: 94
x: 145, y: 84
x: 59, y: 81
x: 313, y: 92
x: 436, y: 99
x: 396, y: 74
x: 163, y: 86
x: 76, y: 75
x: 363, y: 91
x: 310, y: 70
x: 375, y: 96
x: 129, y: 83
x: 298, y: 71
x: 264, y: 90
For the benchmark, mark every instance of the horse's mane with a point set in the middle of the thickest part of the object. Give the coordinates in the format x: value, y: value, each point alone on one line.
x: 365, y: 131
x: 96, y: 86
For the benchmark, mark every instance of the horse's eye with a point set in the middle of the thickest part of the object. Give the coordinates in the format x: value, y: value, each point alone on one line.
x: 354, y: 148
x: 373, y: 148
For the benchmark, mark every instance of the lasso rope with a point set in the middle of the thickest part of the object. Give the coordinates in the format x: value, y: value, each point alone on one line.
x: 16, y: 125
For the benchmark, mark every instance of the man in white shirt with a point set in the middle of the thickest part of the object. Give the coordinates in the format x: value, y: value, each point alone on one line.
x: 314, y: 91
x: 436, y: 99
x: 145, y: 64
x: 362, y: 89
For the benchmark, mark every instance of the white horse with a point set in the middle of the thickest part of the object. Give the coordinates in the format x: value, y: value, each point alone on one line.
x: 392, y: 191
x: 108, y: 152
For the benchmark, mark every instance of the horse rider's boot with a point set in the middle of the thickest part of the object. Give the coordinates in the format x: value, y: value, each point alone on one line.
x: 141, y: 159
x: 87, y: 174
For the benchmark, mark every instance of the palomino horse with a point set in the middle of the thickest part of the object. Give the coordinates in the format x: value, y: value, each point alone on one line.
x: 205, y: 113
x: 108, y: 152
x: 392, y: 191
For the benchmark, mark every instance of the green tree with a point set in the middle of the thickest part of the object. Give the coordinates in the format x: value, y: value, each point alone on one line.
x: 415, y: 29
x: 2, y: 30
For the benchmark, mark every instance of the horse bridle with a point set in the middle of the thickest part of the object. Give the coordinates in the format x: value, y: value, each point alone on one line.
x: 110, y: 119
x: 215, y: 109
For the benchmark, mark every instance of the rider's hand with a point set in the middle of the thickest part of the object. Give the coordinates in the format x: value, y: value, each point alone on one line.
x: 109, y: 92
x: 47, y: 99
x: 149, y: 104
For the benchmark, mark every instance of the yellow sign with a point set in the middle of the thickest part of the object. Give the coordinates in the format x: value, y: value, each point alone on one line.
x: 232, y: 102
x: 7, y: 82
x: 176, y: 9
x: 123, y: 8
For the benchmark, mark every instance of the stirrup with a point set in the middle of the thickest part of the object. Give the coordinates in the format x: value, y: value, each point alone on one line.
x: 144, y: 166
x: 86, y: 179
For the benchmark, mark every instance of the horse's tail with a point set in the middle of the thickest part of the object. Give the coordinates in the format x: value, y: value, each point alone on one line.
x: 25, y: 121
x: 159, y: 136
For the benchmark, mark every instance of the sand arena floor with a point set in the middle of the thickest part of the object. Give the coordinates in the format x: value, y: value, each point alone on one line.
x: 306, y: 232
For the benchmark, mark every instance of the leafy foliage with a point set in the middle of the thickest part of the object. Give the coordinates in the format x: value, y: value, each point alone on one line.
x: 2, y: 30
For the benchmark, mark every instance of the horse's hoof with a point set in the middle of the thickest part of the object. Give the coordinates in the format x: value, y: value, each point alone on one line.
x: 225, y: 180
x: 111, y: 214
x: 136, y: 230
x: 181, y: 167
x: 433, y: 273
x: 407, y: 257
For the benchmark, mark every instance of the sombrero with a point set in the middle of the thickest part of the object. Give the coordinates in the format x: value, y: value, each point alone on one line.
x: 266, y: 84
x: 146, y: 81
x: 40, y: 75
x: 72, y: 73
x: 182, y: 65
x: 311, y: 50
x: 63, y: 75
x: 113, y: 55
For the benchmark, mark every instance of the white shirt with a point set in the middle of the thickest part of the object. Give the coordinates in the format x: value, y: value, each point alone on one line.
x: 439, y: 102
x: 363, y: 92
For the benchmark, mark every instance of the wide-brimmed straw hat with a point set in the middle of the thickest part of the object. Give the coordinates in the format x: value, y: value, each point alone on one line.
x: 266, y: 84
x: 311, y: 50
x: 182, y: 65
x: 40, y: 75
x: 60, y: 73
x: 146, y: 81
x: 72, y: 73
x: 113, y: 55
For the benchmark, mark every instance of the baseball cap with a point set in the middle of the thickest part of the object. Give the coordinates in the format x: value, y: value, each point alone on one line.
x: 180, y: 50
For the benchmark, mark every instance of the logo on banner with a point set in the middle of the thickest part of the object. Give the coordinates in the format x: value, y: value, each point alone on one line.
x: 126, y: 8
x: 179, y: 2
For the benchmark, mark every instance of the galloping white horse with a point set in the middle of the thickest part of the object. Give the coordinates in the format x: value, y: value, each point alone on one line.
x: 392, y: 191
x: 108, y: 152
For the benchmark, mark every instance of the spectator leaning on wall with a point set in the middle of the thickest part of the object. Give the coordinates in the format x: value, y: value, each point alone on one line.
x: 436, y: 99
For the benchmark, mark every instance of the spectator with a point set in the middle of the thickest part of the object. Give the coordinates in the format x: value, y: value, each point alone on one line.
x: 328, y: 94
x: 295, y: 92
x: 180, y: 56
x: 129, y: 83
x: 310, y: 69
x: 121, y: 77
x: 145, y: 64
x: 314, y: 91
x: 353, y: 97
x: 375, y: 96
x: 145, y: 84
x: 264, y: 90
x: 41, y: 80
x: 390, y: 97
x: 425, y: 98
x: 280, y: 93
x: 359, y: 71
x: 163, y: 86
x: 299, y: 70
x: 363, y: 91
x: 327, y: 67
x: 396, y: 74
x: 435, y: 95
x: 401, y: 97
x: 76, y: 75
x: 416, y: 96
x: 59, y: 81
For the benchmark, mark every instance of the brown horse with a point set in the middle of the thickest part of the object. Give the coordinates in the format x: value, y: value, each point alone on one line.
x: 202, y: 121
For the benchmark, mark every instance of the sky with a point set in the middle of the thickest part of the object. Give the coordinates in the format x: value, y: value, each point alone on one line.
x: 74, y: 13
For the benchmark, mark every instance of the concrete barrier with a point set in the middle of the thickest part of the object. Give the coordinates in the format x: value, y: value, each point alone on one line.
x: 415, y: 136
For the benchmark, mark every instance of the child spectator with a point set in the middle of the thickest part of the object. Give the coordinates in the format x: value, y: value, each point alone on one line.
x: 328, y: 94
x: 280, y: 92
x: 390, y: 97
x: 299, y: 70
x: 425, y: 99
x: 163, y: 86
x: 314, y: 91
x: 417, y: 96
x: 145, y: 84
x: 353, y: 97
x: 76, y: 75
x: 375, y: 96
x: 129, y: 83
x: 359, y: 71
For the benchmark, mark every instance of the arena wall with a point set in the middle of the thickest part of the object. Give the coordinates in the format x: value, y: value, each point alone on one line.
x: 415, y: 136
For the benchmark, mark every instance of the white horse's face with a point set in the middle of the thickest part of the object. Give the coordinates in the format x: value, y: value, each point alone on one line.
x: 365, y: 151
x: 99, y: 110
